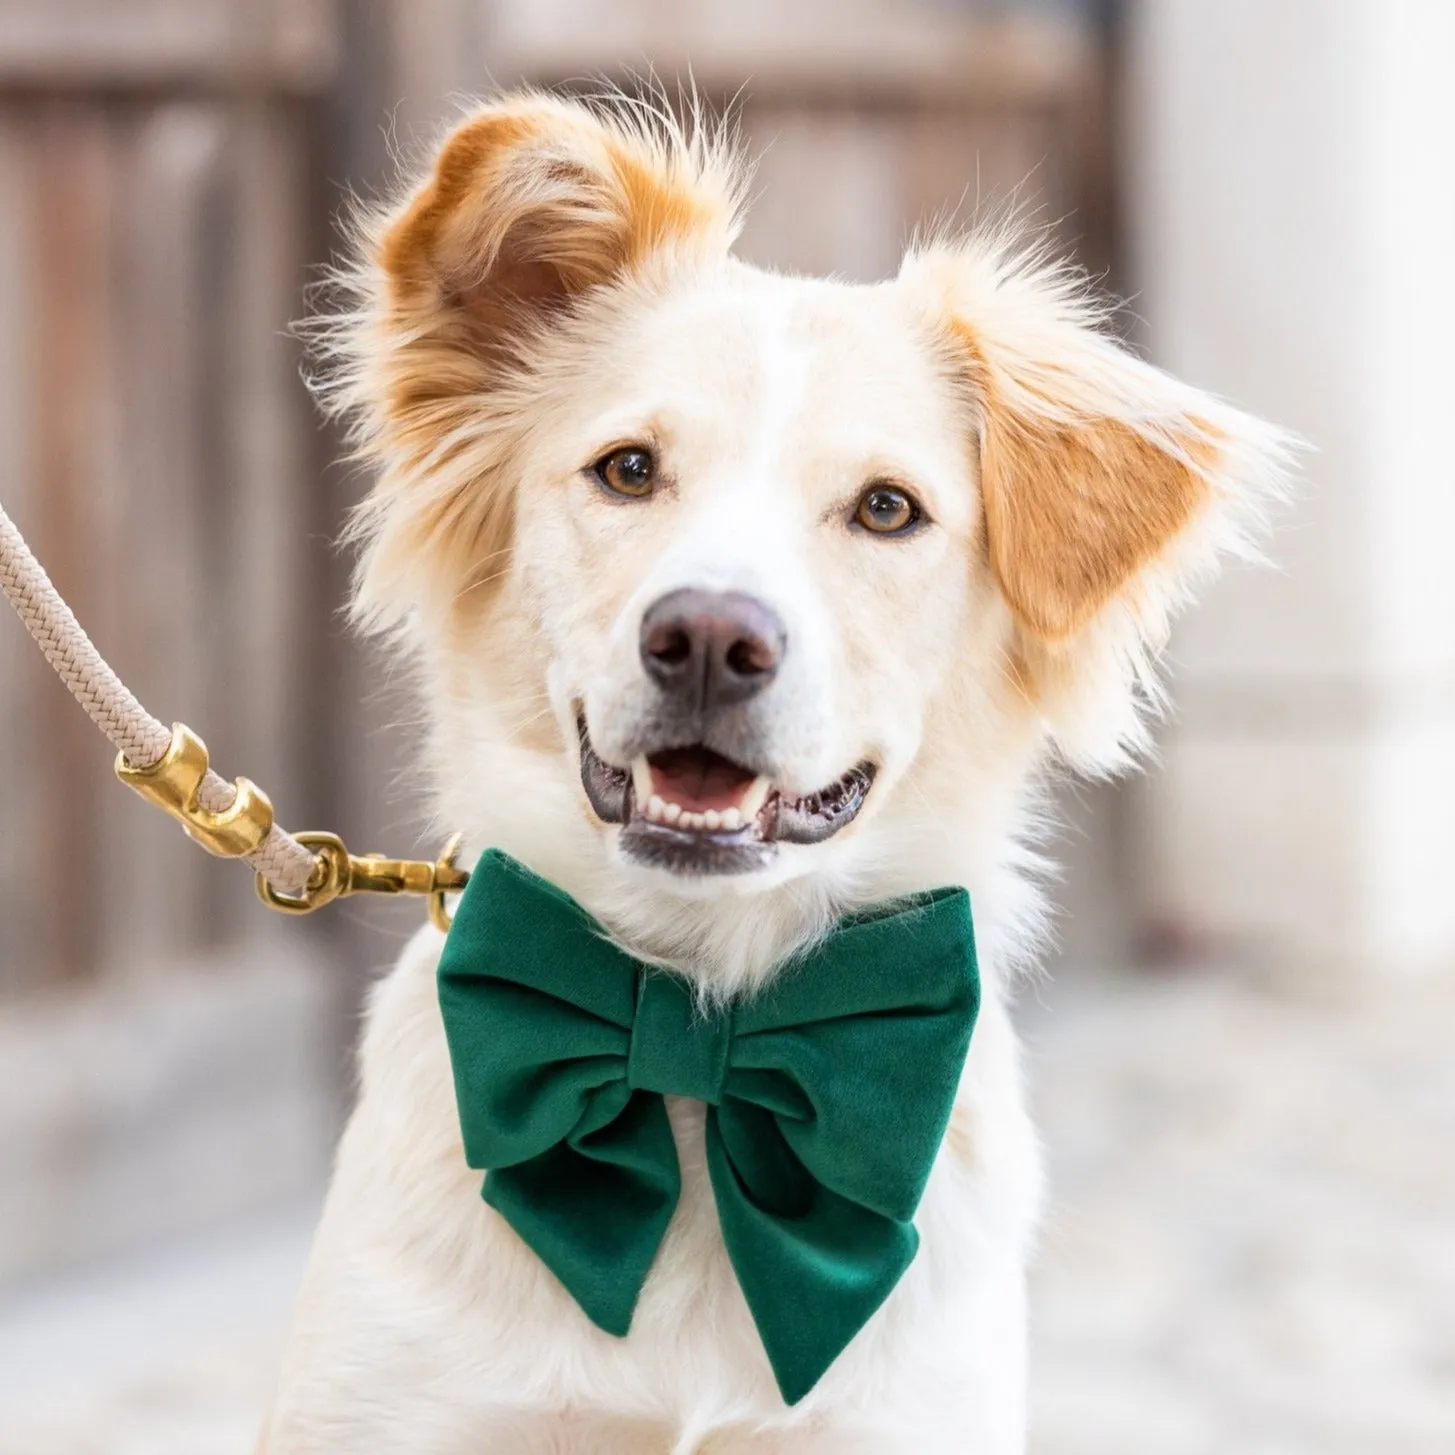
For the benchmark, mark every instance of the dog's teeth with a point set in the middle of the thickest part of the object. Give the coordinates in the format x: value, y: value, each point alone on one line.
x: 691, y: 820
x: 754, y: 799
x: 712, y: 820
x: 672, y: 812
x: 731, y: 819
x: 656, y: 809
x: 642, y: 781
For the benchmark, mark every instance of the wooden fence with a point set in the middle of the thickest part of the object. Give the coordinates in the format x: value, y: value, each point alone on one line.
x: 159, y: 210
x: 168, y: 169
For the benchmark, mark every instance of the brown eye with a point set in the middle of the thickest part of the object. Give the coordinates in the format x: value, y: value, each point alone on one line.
x: 887, y: 510
x: 629, y: 471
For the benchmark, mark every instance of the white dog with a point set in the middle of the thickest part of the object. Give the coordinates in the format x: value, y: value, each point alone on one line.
x: 739, y: 602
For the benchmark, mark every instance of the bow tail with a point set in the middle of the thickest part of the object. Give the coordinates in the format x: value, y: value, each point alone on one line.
x: 813, y: 1264
x: 595, y: 1207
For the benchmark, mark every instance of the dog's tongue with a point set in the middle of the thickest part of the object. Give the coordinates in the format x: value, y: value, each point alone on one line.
x: 698, y: 779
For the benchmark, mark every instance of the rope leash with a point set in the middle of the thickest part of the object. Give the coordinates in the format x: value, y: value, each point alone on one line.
x: 296, y: 873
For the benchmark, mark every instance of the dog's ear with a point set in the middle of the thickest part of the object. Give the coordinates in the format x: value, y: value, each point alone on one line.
x: 1074, y: 508
x: 529, y: 204
x: 1095, y: 467
x: 1106, y: 486
x: 533, y: 199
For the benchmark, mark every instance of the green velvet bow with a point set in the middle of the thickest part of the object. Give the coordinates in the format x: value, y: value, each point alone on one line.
x: 829, y: 1092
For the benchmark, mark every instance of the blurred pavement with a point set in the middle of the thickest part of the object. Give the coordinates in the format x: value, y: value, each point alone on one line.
x: 1248, y: 1247
x: 1249, y: 1244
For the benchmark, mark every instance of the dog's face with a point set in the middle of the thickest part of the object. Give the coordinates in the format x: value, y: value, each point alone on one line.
x: 730, y: 579
x: 748, y: 545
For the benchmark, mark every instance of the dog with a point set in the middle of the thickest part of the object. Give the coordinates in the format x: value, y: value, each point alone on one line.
x: 738, y: 602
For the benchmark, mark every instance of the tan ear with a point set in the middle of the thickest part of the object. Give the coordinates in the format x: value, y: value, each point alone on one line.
x: 534, y: 199
x: 1093, y: 464
x: 529, y: 204
x: 1073, y: 511
x: 1107, y: 487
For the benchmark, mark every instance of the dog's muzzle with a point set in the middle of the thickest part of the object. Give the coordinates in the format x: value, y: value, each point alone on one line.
x: 693, y: 799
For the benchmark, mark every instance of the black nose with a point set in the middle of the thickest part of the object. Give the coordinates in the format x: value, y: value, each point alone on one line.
x: 708, y: 649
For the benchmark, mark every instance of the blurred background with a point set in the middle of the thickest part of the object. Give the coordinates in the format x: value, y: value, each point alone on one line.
x: 1241, y: 1061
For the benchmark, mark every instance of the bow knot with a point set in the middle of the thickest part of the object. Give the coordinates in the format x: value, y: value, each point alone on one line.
x: 828, y: 1094
x: 678, y: 1048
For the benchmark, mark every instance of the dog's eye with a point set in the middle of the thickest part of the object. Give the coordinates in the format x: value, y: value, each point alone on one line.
x: 630, y: 471
x: 887, y: 510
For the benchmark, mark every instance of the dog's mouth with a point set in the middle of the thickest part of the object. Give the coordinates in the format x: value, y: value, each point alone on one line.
x: 693, y: 811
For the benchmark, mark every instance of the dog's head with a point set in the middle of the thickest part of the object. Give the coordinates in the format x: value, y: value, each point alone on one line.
x: 735, y: 589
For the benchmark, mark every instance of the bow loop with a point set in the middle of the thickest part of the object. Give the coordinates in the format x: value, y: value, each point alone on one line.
x: 829, y: 1094
x: 844, y: 1039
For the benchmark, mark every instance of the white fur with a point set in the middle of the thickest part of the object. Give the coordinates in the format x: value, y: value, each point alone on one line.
x: 424, y: 1324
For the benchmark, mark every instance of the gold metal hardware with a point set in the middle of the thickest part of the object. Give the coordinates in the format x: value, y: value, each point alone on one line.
x: 172, y: 783
x: 341, y: 873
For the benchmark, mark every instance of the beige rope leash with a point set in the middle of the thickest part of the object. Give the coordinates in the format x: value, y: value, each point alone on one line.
x: 169, y: 768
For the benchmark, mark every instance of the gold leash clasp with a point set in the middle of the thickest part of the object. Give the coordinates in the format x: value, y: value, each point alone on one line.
x: 172, y: 783
x: 341, y: 873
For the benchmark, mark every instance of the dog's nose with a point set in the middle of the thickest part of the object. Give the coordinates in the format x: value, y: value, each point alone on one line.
x: 708, y: 649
